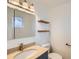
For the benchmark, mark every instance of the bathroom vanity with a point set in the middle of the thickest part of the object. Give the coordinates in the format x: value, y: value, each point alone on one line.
x: 44, y: 56
x: 32, y: 52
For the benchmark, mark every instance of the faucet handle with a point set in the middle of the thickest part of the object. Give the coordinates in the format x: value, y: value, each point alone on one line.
x: 21, y: 47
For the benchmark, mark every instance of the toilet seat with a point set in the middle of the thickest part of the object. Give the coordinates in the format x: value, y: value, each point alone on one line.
x: 54, y: 56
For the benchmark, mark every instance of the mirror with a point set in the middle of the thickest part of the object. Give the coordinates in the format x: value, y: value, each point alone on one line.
x: 20, y: 24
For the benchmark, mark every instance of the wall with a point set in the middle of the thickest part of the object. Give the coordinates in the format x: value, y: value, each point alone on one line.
x: 61, y: 29
x: 16, y: 42
x: 41, y: 8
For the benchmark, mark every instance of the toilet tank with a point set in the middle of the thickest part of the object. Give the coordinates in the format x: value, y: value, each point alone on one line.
x: 47, y: 45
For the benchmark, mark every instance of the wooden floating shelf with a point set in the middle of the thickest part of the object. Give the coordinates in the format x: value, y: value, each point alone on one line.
x: 43, y: 21
x: 43, y: 30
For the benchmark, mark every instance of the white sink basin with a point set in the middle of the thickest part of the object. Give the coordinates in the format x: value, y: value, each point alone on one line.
x: 25, y: 54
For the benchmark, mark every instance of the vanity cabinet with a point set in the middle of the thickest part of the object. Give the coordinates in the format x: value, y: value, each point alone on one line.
x: 44, y: 56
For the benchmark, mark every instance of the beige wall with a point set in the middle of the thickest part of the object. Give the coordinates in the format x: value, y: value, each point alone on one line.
x: 61, y: 29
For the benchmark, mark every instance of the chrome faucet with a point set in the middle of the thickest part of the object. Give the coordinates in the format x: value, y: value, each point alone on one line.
x: 21, y: 47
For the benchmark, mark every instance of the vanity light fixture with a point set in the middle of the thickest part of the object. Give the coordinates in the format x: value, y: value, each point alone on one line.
x: 21, y: 2
x: 25, y: 1
x: 30, y: 6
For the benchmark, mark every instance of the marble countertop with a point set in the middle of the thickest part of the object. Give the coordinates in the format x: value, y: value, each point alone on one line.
x: 39, y: 51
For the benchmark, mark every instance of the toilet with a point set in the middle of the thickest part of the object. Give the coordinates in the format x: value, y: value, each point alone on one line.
x: 51, y: 55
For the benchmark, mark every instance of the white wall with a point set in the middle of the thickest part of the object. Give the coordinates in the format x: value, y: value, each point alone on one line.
x: 16, y: 42
x: 41, y: 8
x: 61, y: 29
